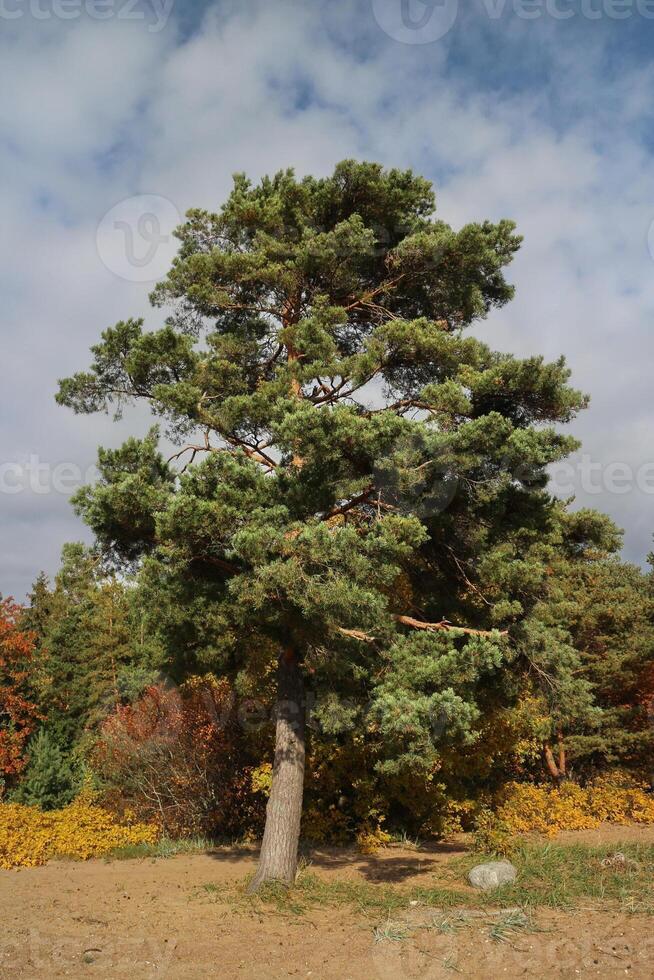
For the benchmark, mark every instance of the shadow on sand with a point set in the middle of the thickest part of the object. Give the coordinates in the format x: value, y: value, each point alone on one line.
x: 390, y: 865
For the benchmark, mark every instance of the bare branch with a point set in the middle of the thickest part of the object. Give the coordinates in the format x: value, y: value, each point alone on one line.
x: 471, y: 585
x: 356, y: 634
x: 442, y: 626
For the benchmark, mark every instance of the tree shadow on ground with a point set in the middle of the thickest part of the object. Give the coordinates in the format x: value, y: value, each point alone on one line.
x: 390, y: 865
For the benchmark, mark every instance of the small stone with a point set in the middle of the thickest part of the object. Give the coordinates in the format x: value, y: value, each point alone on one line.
x: 620, y: 862
x: 492, y: 874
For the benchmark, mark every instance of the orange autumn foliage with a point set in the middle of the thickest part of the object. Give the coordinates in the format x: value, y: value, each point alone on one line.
x: 177, y: 757
x: 18, y: 714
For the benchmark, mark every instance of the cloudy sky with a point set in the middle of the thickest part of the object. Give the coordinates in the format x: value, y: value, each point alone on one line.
x: 115, y: 118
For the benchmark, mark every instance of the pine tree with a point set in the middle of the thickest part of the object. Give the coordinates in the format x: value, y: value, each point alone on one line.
x: 66, y: 690
x: 90, y: 651
x: 607, y: 610
x: 39, y: 617
x: 355, y: 473
x: 39, y: 610
x: 50, y: 779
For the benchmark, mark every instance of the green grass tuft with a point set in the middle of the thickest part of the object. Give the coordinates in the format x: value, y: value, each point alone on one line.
x: 163, y: 848
x: 390, y: 932
x: 506, y: 927
x: 561, y: 876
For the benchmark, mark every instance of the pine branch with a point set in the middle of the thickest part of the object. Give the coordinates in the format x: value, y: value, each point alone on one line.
x: 254, y: 453
x: 441, y: 626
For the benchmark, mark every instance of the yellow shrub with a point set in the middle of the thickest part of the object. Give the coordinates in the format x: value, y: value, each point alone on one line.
x: 568, y: 809
x: 29, y: 837
x: 371, y: 837
x: 620, y: 801
x: 492, y: 836
x: 261, y: 779
x: 326, y: 825
x: 545, y: 810
x: 457, y: 815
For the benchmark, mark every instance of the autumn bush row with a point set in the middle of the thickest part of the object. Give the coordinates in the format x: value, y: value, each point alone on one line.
x: 175, y: 762
x: 29, y: 836
x: 178, y: 758
x: 547, y: 810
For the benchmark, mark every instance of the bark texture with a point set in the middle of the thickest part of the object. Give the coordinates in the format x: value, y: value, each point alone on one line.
x: 556, y: 771
x: 278, y: 858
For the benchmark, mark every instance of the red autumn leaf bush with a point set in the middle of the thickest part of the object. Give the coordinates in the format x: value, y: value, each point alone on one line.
x: 18, y: 714
x: 177, y: 756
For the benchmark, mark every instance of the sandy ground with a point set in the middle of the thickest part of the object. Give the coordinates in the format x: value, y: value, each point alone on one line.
x: 145, y: 918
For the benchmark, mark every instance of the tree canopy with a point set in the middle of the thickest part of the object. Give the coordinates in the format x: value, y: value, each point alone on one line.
x: 360, y: 486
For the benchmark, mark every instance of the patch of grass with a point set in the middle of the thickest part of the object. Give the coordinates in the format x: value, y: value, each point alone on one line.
x: 506, y: 927
x: 314, y: 891
x: 562, y: 876
x: 557, y: 876
x: 390, y: 932
x: 447, y: 925
x: 163, y: 848
x: 289, y: 901
x: 411, y: 842
x: 550, y: 875
x: 211, y: 888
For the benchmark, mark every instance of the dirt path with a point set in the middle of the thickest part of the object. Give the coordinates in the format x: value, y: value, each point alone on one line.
x: 176, y: 918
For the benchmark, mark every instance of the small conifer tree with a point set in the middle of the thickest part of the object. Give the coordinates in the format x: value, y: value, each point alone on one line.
x: 50, y: 780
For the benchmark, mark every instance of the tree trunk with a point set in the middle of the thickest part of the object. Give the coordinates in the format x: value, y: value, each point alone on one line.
x: 278, y: 858
x: 550, y: 764
x: 556, y: 772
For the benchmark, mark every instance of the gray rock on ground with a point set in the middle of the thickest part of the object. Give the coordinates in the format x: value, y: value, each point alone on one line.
x: 492, y: 874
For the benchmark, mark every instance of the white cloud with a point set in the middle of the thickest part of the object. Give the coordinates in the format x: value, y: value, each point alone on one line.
x: 103, y: 111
